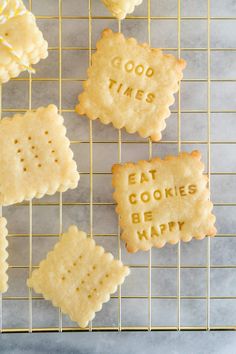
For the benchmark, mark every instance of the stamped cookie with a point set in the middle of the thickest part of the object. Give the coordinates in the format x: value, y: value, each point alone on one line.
x: 78, y: 276
x: 35, y: 156
x: 130, y: 85
x: 162, y: 201
x: 120, y: 8
x: 21, y: 42
x: 3, y: 256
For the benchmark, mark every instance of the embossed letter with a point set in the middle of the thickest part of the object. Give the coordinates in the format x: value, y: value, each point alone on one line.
x: 145, y: 197
x: 192, y: 188
x: 132, y: 178
x: 181, y: 224
x: 116, y: 62
x: 150, y: 98
x: 135, y: 218
x: 149, y: 72
x: 157, y: 194
x: 148, y: 216
x: 142, y: 235
x: 112, y: 82
x: 143, y: 178
x: 132, y: 199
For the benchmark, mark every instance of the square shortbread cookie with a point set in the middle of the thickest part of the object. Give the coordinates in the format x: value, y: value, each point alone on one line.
x: 120, y: 8
x: 35, y: 156
x: 162, y: 201
x: 130, y: 85
x: 78, y: 276
x: 21, y: 42
x: 3, y: 256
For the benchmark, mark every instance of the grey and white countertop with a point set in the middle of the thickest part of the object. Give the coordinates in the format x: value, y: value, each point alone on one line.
x: 76, y: 209
x: 120, y: 343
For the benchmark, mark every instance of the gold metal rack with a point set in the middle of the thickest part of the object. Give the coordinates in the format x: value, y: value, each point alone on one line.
x: 91, y: 173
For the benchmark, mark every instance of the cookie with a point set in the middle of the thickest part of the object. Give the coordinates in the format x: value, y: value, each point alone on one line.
x: 120, y: 8
x: 130, y: 85
x: 78, y: 276
x: 162, y: 201
x: 3, y: 256
x: 21, y: 42
x: 35, y: 156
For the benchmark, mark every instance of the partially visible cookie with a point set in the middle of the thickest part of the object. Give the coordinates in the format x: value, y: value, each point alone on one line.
x: 130, y: 85
x: 35, y: 156
x: 162, y: 201
x: 120, y: 8
x: 3, y: 255
x: 78, y: 276
x: 21, y: 42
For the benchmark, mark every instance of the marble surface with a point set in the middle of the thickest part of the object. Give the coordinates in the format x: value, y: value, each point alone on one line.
x: 15, y: 312
x: 121, y: 343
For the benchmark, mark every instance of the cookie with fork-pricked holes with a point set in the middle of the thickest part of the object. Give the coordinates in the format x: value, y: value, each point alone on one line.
x: 78, y: 276
x: 130, y: 85
x: 21, y: 42
x: 35, y: 156
x: 3, y: 255
x: 162, y: 201
x: 120, y: 8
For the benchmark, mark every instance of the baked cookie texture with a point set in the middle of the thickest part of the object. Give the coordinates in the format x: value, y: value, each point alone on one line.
x: 21, y: 42
x: 163, y: 201
x: 35, y: 156
x: 130, y: 85
x: 78, y: 276
x: 3, y: 255
x: 120, y: 8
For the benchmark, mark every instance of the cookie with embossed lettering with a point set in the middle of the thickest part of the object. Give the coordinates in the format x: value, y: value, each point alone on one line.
x: 35, y: 156
x: 78, y: 276
x: 162, y: 201
x: 3, y: 255
x: 120, y: 8
x: 21, y: 42
x: 130, y: 85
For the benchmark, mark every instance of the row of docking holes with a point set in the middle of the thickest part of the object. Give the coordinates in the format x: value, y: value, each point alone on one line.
x: 36, y: 156
x: 101, y: 282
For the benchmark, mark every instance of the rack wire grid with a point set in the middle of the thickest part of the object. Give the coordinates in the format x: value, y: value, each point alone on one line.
x: 184, y: 287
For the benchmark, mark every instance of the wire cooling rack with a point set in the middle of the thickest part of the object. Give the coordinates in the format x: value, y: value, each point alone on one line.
x: 183, y: 287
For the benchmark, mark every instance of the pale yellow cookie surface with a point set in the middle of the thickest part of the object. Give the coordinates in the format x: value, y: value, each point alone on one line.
x: 163, y: 201
x: 3, y: 256
x: 78, y: 276
x: 130, y: 85
x: 120, y: 8
x: 35, y: 156
x: 23, y: 34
